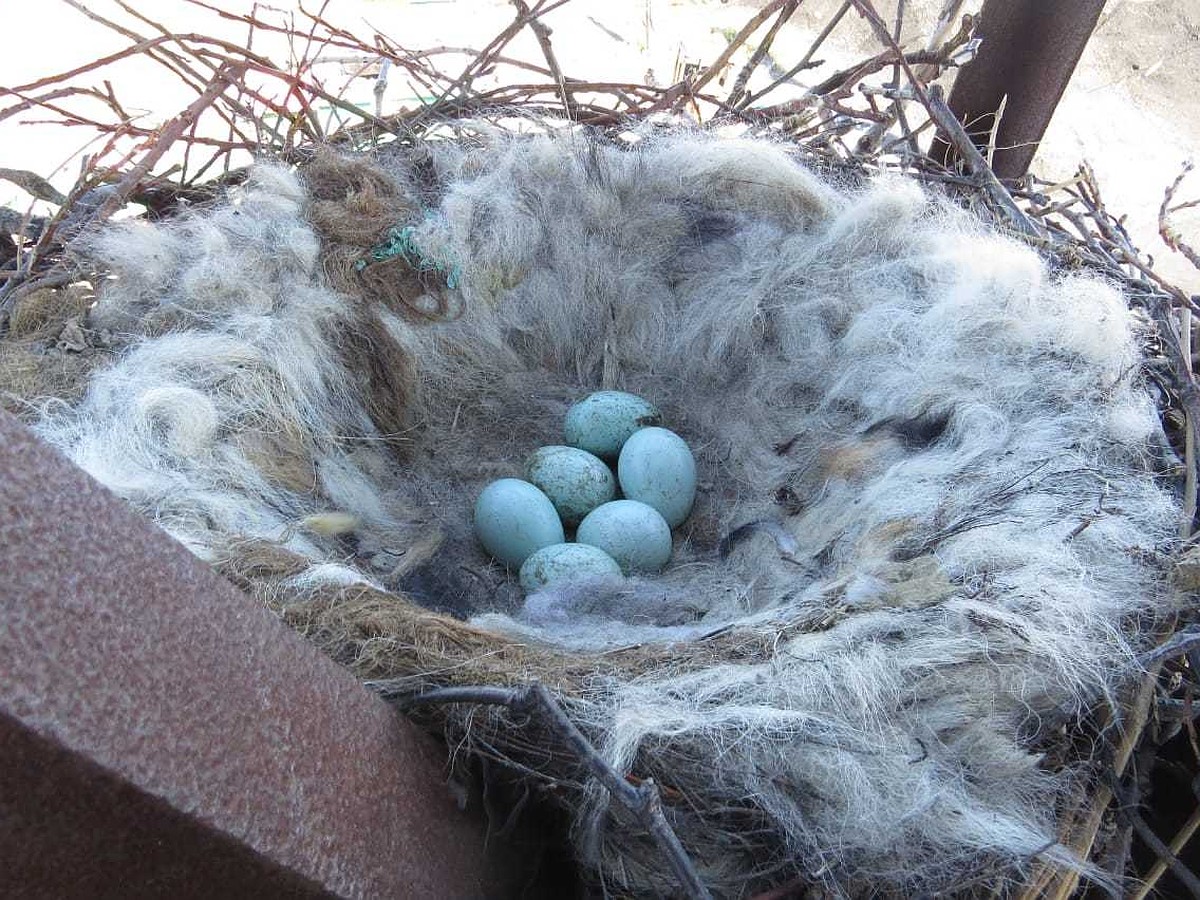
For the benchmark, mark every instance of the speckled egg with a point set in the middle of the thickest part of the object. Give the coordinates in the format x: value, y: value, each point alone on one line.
x: 575, y: 481
x: 513, y: 520
x: 657, y: 468
x: 632, y: 533
x: 602, y: 422
x: 566, y: 562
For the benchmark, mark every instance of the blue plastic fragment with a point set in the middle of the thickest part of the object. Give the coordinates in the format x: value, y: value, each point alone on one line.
x: 400, y: 242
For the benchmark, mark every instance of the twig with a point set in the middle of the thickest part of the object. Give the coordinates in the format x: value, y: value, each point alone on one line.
x: 381, y: 83
x: 1161, y: 865
x: 896, y: 113
x: 1130, y: 258
x: 171, y: 132
x: 1137, y: 710
x: 542, y: 33
x: 740, y: 38
x: 174, y: 63
x: 643, y: 800
x: 1169, y: 235
x: 935, y: 102
x: 838, y: 85
x: 976, y: 164
x: 946, y: 17
x: 764, y: 47
x: 1189, y: 487
x: 486, y: 55
x: 1166, y: 856
x: 805, y: 61
x: 994, y: 134
x: 1179, y: 643
x: 135, y: 50
x: 34, y: 185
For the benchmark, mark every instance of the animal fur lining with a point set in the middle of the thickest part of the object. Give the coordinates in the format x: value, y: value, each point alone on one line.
x: 958, y: 466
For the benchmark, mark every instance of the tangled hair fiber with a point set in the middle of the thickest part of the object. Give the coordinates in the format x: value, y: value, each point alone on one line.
x: 932, y: 495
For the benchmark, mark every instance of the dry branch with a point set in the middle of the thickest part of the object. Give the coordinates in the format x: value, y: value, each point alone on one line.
x: 1169, y: 234
x: 740, y: 38
x: 976, y: 163
x: 171, y: 133
x: 34, y: 185
x: 764, y: 47
x: 642, y: 800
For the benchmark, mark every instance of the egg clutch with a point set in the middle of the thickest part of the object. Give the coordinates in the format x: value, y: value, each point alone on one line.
x: 521, y: 523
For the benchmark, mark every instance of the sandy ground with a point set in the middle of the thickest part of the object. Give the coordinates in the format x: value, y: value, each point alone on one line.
x: 1132, y: 110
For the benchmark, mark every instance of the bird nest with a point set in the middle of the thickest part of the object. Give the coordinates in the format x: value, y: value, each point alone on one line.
x: 932, y: 590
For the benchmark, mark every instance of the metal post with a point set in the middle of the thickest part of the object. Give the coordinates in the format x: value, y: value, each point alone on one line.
x: 161, y: 735
x: 1030, y: 49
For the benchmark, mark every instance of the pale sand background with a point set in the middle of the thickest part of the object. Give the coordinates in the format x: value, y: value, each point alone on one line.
x: 1132, y: 110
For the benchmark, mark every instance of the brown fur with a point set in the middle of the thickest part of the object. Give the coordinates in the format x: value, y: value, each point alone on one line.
x: 354, y: 205
x: 48, y: 350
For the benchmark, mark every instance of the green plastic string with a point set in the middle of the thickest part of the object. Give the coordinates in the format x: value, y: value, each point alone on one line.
x: 400, y: 242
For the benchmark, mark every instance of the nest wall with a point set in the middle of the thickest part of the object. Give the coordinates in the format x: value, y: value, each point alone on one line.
x: 934, y: 497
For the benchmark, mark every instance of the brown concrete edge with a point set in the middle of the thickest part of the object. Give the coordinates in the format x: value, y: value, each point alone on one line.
x: 125, y: 658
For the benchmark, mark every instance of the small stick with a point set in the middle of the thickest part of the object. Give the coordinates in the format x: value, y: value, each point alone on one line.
x: 1181, y: 642
x: 34, y: 185
x: 542, y: 33
x: 485, y: 57
x: 1137, y: 710
x: 173, y: 62
x: 1169, y: 235
x: 910, y: 138
x: 134, y: 50
x: 953, y: 129
x: 1166, y: 856
x: 1160, y: 866
x: 739, y: 85
x: 897, y: 111
x: 171, y: 132
x: 945, y: 19
x: 838, y: 84
x: 805, y: 61
x: 994, y: 134
x: 643, y: 801
x: 1189, y: 488
x: 934, y: 100
x: 381, y: 83
x: 738, y: 39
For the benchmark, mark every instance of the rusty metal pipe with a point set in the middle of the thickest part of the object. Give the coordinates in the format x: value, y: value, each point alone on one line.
x: 161, y: 735
x: 1030, y: 49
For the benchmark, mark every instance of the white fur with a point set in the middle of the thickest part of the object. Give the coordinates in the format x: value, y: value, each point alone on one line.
x: 942, y: 598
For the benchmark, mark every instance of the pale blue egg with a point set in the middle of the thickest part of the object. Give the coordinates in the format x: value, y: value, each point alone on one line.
x: 657, y: 468
x: 632, y: 533
x: 566, y: 562
x: 575, y: 481
x: 513, y: 520
x: 602, y: 422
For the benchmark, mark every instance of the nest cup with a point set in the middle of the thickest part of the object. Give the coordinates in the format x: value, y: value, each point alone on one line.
x: 882, y: 603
